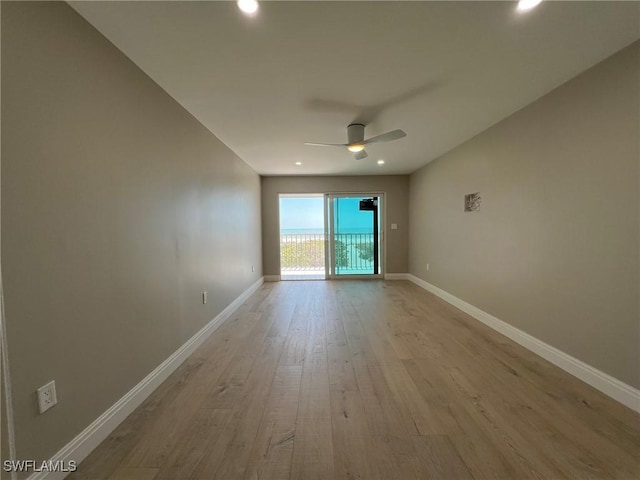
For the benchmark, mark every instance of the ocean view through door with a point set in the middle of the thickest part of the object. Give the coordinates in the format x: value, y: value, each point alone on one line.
x: 355, y: 247
x: 330, y: 236
x: 302, y: 237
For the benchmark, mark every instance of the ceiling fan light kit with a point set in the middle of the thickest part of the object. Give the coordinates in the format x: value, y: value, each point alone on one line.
x: 355, y: 137
x: 248, y: 6
x: 524, y: 5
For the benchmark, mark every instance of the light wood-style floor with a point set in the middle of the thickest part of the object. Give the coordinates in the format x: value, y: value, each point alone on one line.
x: 369, y: 380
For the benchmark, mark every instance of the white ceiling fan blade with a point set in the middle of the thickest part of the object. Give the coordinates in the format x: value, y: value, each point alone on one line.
x: 386, y: 137
x: 360, y: 155
x: 325, y: 144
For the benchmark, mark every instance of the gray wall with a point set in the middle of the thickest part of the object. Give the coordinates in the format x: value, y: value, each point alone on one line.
x: 554, y: 249
x: 118, y: 210
x: 395, y: 187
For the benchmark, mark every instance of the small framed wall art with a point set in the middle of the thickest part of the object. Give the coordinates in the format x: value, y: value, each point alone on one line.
x: 472, y: 202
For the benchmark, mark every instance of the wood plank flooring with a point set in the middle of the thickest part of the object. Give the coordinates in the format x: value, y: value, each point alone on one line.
x: 367, y: 380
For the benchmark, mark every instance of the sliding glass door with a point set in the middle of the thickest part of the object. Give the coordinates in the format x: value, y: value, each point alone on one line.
x: 353, y: 225
x: 302, y: 237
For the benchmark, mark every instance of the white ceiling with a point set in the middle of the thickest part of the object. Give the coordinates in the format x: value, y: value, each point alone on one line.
x: 302, y: 71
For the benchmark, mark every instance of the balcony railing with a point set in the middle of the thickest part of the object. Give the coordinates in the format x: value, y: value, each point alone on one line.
x: 305, y: 252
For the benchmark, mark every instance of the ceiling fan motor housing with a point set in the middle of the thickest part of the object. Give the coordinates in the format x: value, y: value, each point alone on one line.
x: 355, y: 133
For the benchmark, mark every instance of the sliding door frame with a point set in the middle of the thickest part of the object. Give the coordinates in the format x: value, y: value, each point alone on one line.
x: 324, y: 234
x: 330, y: 237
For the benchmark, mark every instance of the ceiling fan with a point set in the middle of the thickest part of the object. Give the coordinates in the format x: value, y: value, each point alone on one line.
x: 355, y: 137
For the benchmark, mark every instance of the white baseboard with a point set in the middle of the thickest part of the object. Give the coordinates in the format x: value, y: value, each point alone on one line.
x: 620, y: 391
x: 82, y: 445
x: 272, y: 278
x: 396, y: 276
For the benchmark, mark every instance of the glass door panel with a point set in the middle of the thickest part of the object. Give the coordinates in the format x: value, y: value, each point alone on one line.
x: 354, y: 235
x: 302, y: 237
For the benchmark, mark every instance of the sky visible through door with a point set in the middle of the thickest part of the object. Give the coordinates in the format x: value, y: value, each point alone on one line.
x: 306, y: 215
x: 301, y: 215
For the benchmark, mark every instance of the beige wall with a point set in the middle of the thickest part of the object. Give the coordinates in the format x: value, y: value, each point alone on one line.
x: 395, y: 188
x: 118, y: 210
x: 4, y: 427
x: 4, y: 432
x: 554, y: 249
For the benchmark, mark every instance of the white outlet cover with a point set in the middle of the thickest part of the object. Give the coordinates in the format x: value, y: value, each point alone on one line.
x: 47, y: 397
x: 394, y: 226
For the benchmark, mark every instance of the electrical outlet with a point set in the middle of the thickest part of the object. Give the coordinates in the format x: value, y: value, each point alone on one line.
x: 253, y: 269
x: 47, y: 397
x: 427, y: 267
x: 204, y: 297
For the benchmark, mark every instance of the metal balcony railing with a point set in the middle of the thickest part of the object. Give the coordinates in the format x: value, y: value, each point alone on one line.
x: 305, y: 252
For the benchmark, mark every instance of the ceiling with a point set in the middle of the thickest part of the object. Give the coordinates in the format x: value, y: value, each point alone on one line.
x: 302, y: 71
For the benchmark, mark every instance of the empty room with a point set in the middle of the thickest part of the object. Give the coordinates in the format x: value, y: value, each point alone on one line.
x: 320, y: 240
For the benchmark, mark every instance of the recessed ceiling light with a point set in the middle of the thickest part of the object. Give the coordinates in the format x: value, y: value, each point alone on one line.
x: 298, y: 163
x: 380, y: 162
x: 248, y: 6
x: 524, y: 5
